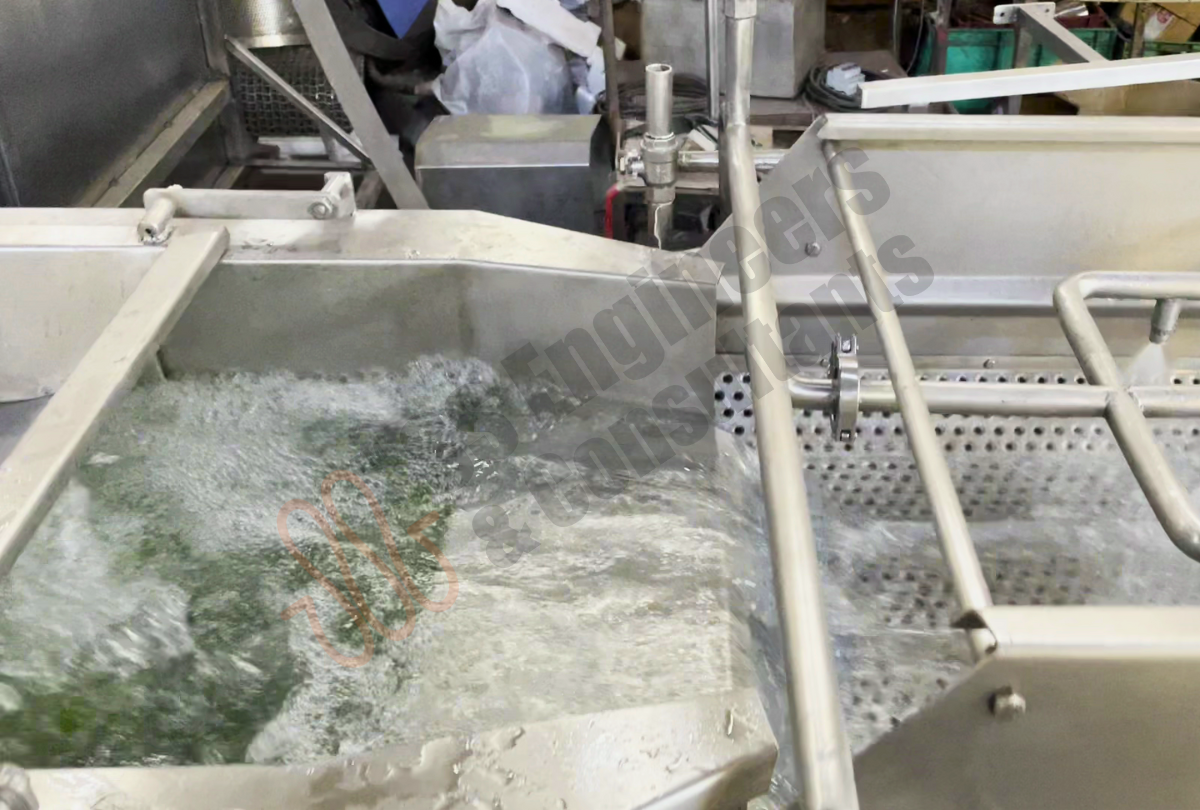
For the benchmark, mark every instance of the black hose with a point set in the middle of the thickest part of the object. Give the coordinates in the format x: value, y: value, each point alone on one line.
x: 690, y: 93
x: 816, y: 91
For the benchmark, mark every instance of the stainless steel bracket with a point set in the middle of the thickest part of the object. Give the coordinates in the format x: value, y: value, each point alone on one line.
x: 334, y: 201
x: 843, y: 372
x: 1008, y: 13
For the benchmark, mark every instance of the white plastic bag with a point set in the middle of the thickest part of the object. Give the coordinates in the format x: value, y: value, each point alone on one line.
x: 495, y: 64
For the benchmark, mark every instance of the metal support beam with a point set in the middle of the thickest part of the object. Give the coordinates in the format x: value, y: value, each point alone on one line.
x: 1138, y: 47
x: 1038, y: 19
x: 1168, y: 498
x: 326, y: 124
x: 347, y: 84
x: 164, y: 153
x: 369, y: 188
x: 957, y: 547
x: 38, y: 467
x: 826, y: 770
x: 1024, y: 81
x: 1131, y: 130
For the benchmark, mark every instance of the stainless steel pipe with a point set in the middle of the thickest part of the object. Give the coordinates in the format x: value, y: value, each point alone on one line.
x: 660, y: 100
x: 739, y: 39
x: 957, y: 547
x: 1167, y: 496
x: 1165, y: 319
x: 704, y: 161
x: 1001, y: 399
x: 712, y: 47
x: 826, y: 771
x: 659, y: 150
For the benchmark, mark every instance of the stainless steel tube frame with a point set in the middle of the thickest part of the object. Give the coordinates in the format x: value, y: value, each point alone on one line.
x: 826, y: 770
x: 957, y: 547
x: 1168, y: 498
x: 1000, y: 399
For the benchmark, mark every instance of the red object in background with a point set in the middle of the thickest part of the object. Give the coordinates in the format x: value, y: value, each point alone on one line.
x: 609, y: 196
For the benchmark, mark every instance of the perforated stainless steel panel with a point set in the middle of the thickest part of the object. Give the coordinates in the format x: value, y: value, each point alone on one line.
x: 267, y: 112
x: 1055, y: 513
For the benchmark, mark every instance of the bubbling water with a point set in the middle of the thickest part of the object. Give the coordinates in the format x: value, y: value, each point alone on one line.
x: 143, y: 624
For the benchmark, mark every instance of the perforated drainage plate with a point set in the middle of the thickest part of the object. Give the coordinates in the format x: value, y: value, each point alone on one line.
x: 1055, y: 514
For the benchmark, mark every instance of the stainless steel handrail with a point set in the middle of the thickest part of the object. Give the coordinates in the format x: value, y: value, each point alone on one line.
x: 826, y: 769
x: 957, y: 547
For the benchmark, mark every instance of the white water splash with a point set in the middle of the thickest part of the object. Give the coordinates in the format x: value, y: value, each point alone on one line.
x: 1149, y: 366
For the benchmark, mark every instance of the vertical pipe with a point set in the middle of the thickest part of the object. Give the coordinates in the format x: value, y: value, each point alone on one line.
x: 612, y: 90
x: 660, y: 100
x: 712, y: 45
x: 941, y: 36
x: 1022, y: 46
x: 957, y: 548
x: 1138, y: 47
x: 826, y: 770
x: 660, y: 151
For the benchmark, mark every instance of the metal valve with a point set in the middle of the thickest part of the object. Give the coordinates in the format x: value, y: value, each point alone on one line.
x: 843, y: 371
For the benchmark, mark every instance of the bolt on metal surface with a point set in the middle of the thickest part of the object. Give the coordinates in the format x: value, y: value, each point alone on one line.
x: 1006, y: 704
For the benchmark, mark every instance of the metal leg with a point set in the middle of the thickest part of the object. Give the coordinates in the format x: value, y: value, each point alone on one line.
x: 1022, y: 45
x: 969, y: 583
x: 826, y: 769
x: 368, y: 126
x: 1138, y: 47
x: 612, y: 88
x: 1168, y: 498
x: 941, y: 36
x: 38, y: 467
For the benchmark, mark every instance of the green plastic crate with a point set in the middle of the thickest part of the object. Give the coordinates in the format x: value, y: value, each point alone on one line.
x: 1167, y: 48
x: 977, y: 49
